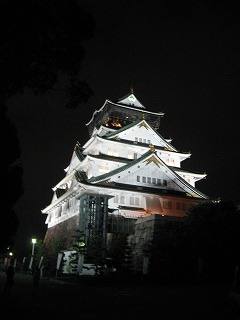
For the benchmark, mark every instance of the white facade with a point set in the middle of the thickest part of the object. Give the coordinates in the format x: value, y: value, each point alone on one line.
x: 130, y: 162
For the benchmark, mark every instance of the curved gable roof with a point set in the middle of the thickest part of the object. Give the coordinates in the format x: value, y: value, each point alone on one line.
x: 131, y: 100
x: 148, y: 157
x: 116, y: 132
x: 138, y: 123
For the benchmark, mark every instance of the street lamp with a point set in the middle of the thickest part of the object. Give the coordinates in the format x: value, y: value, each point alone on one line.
x: 10, y: 259
x: 33, y: 244
x: 31, y: 260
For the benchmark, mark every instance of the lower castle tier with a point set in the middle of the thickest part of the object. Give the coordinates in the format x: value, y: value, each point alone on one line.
x: 124, y: 172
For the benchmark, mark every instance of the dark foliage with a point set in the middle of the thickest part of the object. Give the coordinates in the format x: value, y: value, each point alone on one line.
x: 79, y: 248
x: 40, y: 44
x: 41, y: 40
x: 214, y: 229
x: 211, y: 232
x: 11, y: 177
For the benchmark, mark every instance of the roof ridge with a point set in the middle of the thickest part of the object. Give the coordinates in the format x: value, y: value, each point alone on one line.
x: 122, y: 168
x: 128, y: 126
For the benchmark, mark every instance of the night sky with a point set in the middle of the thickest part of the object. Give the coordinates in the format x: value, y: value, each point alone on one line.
x: 182, y: 58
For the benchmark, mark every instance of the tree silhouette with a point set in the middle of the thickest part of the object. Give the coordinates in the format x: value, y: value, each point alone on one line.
x: 79, y: 248
x: 212, y: 232
x: 11, y: 177
x: 41, y: 46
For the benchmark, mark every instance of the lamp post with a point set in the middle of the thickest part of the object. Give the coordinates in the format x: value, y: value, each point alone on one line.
x: 33, y: 244
x: 31, y: 260
x: 10, y: 258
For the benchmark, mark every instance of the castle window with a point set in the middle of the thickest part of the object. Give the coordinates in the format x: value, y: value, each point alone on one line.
x: 65, y: 207
x: 144, y: 140
x: 149, y: 180
x: 144, y: 179
x: 159, y: 182
x: 116, y: 198
x: 135, y: 155
x: 115, y: 153
x: 122, y: 199
x: 167, y: 204
x: 132, y: 200
x: 148, y: 141
x: 103, y: 168
x: 140, y: 139
x: 110, y: 151
x: 130, y: 155
x: 138, y: 178
x: 164, y: 182
x: 154, y: 180
x: 58, y: 212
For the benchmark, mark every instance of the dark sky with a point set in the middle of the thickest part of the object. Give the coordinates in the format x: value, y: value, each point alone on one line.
x: 182, y: 58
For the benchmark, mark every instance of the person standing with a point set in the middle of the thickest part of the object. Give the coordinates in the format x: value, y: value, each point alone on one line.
x: 10, y: 281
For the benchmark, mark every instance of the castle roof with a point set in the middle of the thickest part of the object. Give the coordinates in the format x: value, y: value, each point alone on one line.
x: 127, y: 109
x: 147, y: 158
x: 131, y: 100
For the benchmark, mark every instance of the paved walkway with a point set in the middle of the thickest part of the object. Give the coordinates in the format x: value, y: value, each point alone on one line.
x: 57, y: 299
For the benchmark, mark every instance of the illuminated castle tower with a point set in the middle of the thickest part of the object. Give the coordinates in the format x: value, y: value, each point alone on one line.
x: 126, y: 171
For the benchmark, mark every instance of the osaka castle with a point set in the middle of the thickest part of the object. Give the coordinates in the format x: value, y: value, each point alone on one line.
x: 125, y: 174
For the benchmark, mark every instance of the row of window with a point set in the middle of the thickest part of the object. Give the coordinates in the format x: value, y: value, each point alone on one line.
x: 104, y: 168
x: 122, y: 200
x: 115, y: 153
x: 142, y: 140
x: 179, y: 205
x: 150, y: 180
x: 61, y: 210
x: 134, y: 155
x: 166, y: 203
x: 134, y: 201
x: 168, y: 160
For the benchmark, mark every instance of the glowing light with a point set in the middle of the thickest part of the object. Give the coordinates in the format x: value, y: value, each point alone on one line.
x: 33, y: 244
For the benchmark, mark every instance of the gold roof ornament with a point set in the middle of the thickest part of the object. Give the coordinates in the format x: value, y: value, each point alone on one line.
x: 152, y: 147
x: 143, y: 116
x: 154, y: 160
x: 77, y: 144
x: 143, y: 124
x: 131, y: 88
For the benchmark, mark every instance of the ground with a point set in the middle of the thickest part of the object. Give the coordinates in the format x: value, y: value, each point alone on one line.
x: 61, y: 299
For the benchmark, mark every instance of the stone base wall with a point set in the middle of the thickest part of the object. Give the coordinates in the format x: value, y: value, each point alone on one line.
x: 148, y: 250
x: 153, y: 242
x: 64, y: 230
